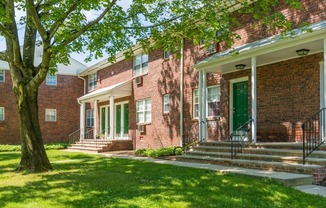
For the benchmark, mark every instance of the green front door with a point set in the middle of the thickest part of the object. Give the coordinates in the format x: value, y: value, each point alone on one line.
x: 125, y: 118
x: 102, y: 122
x: 240, y: 104
x: 118, y: 119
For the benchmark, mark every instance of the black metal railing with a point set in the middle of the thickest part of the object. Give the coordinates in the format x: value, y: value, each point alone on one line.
x: 189, y: 139
x: 313, y: 131
x: 240, y: 138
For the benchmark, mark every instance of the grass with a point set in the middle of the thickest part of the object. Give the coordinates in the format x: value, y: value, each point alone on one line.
x: 83, y: 180
x: 49, y: 146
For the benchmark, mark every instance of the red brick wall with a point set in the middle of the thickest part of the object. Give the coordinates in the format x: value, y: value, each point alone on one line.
x: 62, y: 97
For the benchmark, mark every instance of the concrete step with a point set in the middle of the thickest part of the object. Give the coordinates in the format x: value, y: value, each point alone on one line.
x: 258, y: 157
x: 88, y: 149
x: 255, y: 164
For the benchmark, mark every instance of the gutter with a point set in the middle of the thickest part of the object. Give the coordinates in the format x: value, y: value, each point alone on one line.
x: 181, y: 91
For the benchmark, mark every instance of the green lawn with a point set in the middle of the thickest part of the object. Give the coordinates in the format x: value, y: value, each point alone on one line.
x: 82, y: 180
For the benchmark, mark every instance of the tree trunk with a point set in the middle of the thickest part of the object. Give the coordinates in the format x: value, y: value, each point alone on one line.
x: 33, y: 158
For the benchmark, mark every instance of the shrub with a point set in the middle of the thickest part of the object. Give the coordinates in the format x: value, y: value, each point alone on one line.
x: 162, y: 152
x: 16, y: 148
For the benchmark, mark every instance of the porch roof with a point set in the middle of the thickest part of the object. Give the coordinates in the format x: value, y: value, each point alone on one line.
x: 119, y: 90
x: 269, y: 50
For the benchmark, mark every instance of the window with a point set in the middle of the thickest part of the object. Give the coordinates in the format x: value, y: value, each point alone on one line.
x: 50, y: 115
x: 92, y: 79
x: 2, y: 113
x: 140, y: 64
x: 167, y: 54
x: 2, y: 75
x: 51, y: 79
x: 144, y: 111
x: 166, y: 103
x: 212, y: 102
x: 211, y: 48
x: 90, y: 118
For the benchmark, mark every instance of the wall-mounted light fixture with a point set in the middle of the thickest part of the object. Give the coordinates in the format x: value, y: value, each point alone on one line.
x: 240, y: 66
x: 302, y: 52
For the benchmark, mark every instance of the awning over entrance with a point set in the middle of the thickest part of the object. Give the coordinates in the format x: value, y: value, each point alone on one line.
x: 269, y: 50
x: 119, y: 90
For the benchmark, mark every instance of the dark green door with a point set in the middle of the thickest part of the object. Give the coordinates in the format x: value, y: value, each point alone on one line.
x: 240, y: 104
x: 118, y: 119
x: 125, y: 118
x: 102, y: 121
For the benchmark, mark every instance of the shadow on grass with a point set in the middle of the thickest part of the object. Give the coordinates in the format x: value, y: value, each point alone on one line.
x: 94, y: 181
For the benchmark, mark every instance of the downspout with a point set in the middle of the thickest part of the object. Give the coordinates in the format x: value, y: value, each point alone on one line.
x: 84, y: 82
x: 181, y: 91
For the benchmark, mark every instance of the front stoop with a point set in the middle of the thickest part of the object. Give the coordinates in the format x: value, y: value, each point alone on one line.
x: 102, y: 145
x: 281, y: 157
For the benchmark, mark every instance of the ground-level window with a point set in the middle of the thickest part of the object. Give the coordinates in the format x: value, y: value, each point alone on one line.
x: 2, y: 113
x: 167, y: 54
x: 166, y: 103
x: 50, y: 115
x: 92, y: 79
x: 212, y: 102
x: 90, y: 118
x: 2, y: 75
x: 51, y: 80
x: 144, y: 111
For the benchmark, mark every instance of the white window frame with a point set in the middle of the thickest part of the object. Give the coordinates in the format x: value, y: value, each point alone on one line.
x: 2, y: 113
x: 3, y: 75
x: 92, y: 81
x: 211, y: 48
x: 166, y: 103
x: 144, y: 108
x: 51, y: 80
x: 143, y: 65
x: 209, y: 100
x: 51, y: 115
x: 166, y: 54
x: 90, y: 117
x: 196, y: 101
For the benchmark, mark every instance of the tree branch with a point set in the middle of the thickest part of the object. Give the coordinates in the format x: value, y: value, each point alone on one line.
x: 3, y: 56
x: 36, y: 19
x: 5, y: 31
x: 57, y: 24
x: 89, y: 25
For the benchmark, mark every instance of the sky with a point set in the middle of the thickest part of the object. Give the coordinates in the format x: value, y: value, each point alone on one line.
x: 79, y: 57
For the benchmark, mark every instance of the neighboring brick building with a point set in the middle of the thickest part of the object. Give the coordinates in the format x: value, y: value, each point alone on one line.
x: 146, y: 91
x: 58, y: 108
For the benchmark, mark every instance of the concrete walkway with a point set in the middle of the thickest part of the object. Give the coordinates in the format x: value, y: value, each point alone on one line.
x: 300, y: 182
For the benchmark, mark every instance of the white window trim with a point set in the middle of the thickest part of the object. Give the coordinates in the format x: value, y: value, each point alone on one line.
x: 87, y: 118
x: 3, y: 111
x: 3, y: 73
x: 92, y: 78
x: 46, y: 115
x: 49, y: 81
x: 144, y: 111
x: 193, y: 102
x: 164, y: 103
x: 141, y: 65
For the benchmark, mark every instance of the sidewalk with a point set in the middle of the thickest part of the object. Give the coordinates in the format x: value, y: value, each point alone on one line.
x: 298, y: 181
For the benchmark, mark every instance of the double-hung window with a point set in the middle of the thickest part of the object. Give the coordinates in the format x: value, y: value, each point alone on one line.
x: 166, y: 103
x: 2, y: 75
x: 51, y: 80
x: 140, y: 64
x: 51, y: 115
x: 2, y: 113
x: 90, y: 118
x: 144, y: 111
x: 212, y: 102
x: 92, y: 79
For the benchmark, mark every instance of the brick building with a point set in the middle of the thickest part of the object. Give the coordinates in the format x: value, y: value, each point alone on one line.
x: 147, y: 101
x: 58, y: 108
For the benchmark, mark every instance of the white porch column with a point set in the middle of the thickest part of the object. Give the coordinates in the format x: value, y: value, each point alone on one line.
x: 95, y: 131
x: 253, y: 100
x: 200, y: 105
x: 324, y: 93
x: 112, y: 117
x: 204, y: 104
x: 82, y: 120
